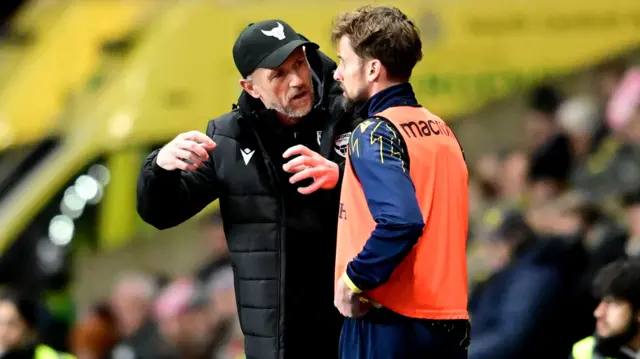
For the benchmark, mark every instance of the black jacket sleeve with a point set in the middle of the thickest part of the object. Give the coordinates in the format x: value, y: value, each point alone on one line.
x: 168, y: 198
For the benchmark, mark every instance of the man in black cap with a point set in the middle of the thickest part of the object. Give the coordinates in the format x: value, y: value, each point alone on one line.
x: 282, y: 243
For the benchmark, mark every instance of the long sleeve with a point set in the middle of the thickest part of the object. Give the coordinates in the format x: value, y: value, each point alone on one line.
x: 381, y: 165
x: 167, y: 198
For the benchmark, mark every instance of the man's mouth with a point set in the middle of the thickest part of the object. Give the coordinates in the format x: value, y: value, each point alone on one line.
x: 300, y: 95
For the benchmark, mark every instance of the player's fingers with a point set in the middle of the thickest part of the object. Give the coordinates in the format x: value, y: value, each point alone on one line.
x: 299, y: 169
x: 297, y: 162
x: 304, y: 174
x: 298, y: 150
x: 362, y: 311
x: 316, y: 185
x: 342, y: 311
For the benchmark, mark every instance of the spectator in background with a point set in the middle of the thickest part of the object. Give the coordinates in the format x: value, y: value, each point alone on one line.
x: 512, y: 309
x: 95, y: 335
x: 624, y: 101
x: 514, y: 176
x: 609, y: 74
x: 183, y: 324
x: 18, y: 330
x: 633, y: 126
x: 196, y: 330
x: 615, y: 168
x: 156, y: 338
x: 550, y: 153
x: 602, y: 241
x: 504, y: 174
x: 132, y: 303
x: 632, y: 205
x: 228, y: 338
x: 579, y: 118
x: 487, y: 172
x: 617, y: 334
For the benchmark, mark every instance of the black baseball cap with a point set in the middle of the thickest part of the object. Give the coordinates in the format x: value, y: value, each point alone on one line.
x: 266, y: 44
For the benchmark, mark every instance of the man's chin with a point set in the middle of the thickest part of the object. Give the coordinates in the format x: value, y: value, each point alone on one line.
x: 292, y: 116
x: 300, y: 112
x: 351, y: 105
x: 610, y: 345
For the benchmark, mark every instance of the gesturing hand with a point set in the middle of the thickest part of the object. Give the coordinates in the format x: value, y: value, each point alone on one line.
x: 185, y: 152
x: 310, y: 164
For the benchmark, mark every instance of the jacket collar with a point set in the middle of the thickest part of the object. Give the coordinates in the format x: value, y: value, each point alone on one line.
x: 397, y: 95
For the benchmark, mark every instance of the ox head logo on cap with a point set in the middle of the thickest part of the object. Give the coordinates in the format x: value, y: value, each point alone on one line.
x: 277, y: 32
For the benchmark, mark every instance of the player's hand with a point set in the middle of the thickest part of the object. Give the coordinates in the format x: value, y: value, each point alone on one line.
x: 310, y: 164
x: 349, y: 303
x: 186, y: 152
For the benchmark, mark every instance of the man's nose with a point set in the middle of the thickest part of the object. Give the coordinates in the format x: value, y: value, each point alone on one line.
x: 296, y: 80
x: 337, y: 75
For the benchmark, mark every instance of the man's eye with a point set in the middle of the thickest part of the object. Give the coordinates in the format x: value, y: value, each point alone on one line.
x: 298, y: 64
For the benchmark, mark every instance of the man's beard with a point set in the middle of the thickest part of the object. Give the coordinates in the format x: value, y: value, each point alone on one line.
x: 351, y: 105
x: 610, y: 346
x: 293, y: 114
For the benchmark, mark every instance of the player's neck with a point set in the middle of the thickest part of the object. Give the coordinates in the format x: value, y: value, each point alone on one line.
x: 381, y: 85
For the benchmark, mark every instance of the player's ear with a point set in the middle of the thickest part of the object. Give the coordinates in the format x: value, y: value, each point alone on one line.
x: 373, y: 69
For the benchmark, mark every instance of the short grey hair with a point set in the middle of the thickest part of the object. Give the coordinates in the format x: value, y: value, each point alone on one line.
x: 579, y: 115
x: 145, y: 284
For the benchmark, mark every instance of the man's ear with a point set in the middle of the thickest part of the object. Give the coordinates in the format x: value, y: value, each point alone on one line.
x: 373, y: 69
x: 249, y: 87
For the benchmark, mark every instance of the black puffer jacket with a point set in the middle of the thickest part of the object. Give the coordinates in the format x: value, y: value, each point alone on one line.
x: 282, y: 243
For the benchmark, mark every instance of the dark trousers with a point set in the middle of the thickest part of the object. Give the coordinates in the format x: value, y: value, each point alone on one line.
x: 382, y: 334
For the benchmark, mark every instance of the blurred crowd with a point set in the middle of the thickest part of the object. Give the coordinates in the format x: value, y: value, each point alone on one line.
x: 154, y: 316
x: 549, y: 214
x: 145, y: 315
